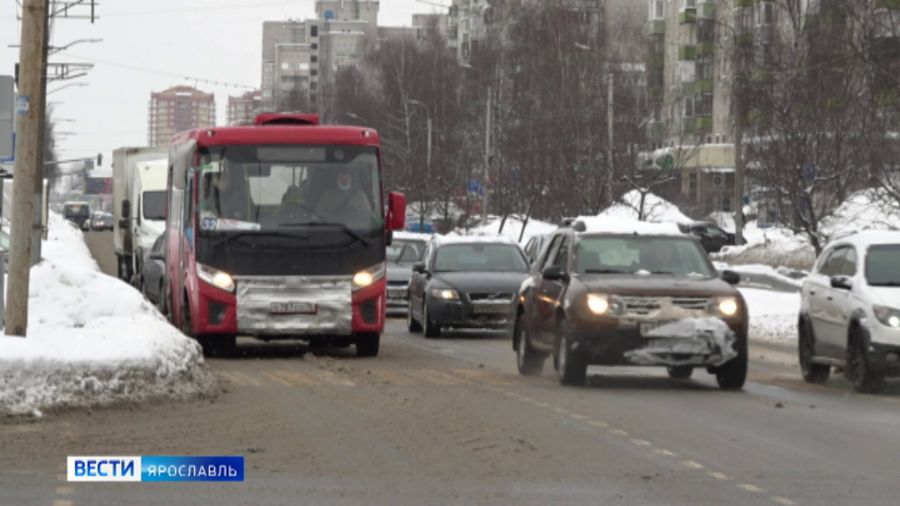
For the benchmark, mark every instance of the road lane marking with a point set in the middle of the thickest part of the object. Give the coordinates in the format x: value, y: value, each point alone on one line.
x: 394, y: 377
x: 561, y: 411
x: 692, y: 464
x: 784, y: 500
x: 276, y: 379
x: 435, y: 377
x: 578, y: 417
x: 597, y: 423
x: 294, y: 378
x: 666, y: 453
x: 245, y: 379
x: 641, y: 442
x: 620, y: 432
x: 331, y: 378
x: 61, y: 502
x: 719, y: 476
x: 749, y: 487
x: 65, y: 490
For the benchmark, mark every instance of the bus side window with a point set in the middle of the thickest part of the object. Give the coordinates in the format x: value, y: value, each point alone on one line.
x: 188, y: 207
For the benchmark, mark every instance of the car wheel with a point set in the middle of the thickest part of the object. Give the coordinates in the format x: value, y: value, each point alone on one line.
x: 571, y: 366
x: 733, y: 374
x: 367, y: 345
x: 680, y: 372
x: 859, y: 371
x: 529, y: 361
x: 411, y: 324
x: 431, y: 329
x: 806, y: 349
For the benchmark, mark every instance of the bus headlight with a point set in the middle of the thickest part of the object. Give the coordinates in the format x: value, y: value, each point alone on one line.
x: 369, y: 276
x: 215, y: 277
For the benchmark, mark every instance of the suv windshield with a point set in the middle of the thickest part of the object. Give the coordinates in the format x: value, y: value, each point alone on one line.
x: 284, y: 187
x: 883, y: 265
x: 402, y: 250
x: 673, y: 256
x: 479, y: 258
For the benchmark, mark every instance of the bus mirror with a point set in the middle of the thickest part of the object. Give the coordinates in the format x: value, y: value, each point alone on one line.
x: 396, y: 211
x: 126, y: 208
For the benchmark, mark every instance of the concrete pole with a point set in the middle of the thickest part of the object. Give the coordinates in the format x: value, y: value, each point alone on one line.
x: 29, y: 112
x: 610, y: 125
x: 37, y: 229
x: 487, y: 155
x: 428, y: 156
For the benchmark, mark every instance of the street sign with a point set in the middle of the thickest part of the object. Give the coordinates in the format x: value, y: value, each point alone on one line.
x: 7, y: 121
x: 475, y: 187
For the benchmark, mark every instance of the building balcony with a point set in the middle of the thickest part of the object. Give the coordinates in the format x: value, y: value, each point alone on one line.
x: 893, y: 5
x: 706, y: 10
x: 656, y: 27
x: 744, y: 3
x: 705, y: 86
x: 687, y: 16
x: 705, y: 49
x: 687, y: 53
x: 656, y: 60
x: 703, y: 124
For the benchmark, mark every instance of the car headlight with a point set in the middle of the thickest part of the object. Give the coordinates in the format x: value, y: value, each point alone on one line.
x: 445, y: 293
x: 368, y: 276
x: 598, y: 304
x: 726, y: 306
x: 215, y: 277
x: 887, y: 315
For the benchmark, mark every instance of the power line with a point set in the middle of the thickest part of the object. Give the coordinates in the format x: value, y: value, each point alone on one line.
x: 197, y: 80
x: 198, y: 9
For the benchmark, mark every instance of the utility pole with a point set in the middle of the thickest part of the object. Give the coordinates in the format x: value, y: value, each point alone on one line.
x: 37, y: 226
x: 487, y: 155
x: 610, y: 124
x: 428, y: 155
x: 738, y: 170
x: 29, y: 109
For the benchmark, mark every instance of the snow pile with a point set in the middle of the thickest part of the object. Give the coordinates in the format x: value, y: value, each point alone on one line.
x: 773, y: 315
x: 513, y: 228
x: 772, y: 246
x: 689, y: 341
x: 656, y: 209
x: 92, y: 339
x: 765, y: 275
x: 864, y: 210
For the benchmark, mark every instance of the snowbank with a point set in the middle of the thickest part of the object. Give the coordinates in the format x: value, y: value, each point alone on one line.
x: 92, y: 339
x: 513, y: 228
x: 864, y: 210
x: 773, y: 315
x: 656, y: 209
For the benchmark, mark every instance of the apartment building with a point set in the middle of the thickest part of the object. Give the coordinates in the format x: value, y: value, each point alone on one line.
x: 243, y: 108
x: 178, y: 109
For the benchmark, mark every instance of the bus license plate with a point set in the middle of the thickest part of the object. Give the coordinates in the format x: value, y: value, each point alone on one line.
x: 293, y: 308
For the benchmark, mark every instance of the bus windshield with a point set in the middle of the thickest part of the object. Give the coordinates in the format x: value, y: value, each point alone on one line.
x: 285, y: 187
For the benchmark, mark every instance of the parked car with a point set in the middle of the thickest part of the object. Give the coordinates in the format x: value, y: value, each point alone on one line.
x: 535, y: 245
x: 630, y: 294
x: 711, y: 236
x: 153, y: 274
x: 101, y: 220
x: 78, y: 213
x: 405, y: 250
x: 465, y: 282
x: 850, y: 311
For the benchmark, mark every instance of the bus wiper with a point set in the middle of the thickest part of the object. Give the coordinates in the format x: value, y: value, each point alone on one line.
x: 344, y: 228
x: 605, y: 271
x: 258, y: 233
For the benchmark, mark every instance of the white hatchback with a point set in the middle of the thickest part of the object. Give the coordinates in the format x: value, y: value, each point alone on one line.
x: 850, y: 311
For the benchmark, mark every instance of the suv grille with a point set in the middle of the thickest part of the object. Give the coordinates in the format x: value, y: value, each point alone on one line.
x: 644, y: 306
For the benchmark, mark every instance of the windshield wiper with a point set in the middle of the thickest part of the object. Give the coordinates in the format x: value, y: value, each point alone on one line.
x: 344, y: 228
x: 239, y: 235
x: 605, y: 271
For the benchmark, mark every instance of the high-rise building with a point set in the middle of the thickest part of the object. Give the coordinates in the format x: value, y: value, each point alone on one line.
x: 290, y: 65
x: 243, y: 108
x: 178, y: 109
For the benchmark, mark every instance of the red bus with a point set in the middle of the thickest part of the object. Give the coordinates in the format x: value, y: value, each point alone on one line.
x: 279, y: 230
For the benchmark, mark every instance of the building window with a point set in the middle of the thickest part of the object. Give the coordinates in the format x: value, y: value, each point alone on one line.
x: 314, y: 31
x: 688, y: 107
x: 688, y: 4
x: 765, y: 14
x: 314, y: 59
x: 314, y: 46
x: 657, y: 9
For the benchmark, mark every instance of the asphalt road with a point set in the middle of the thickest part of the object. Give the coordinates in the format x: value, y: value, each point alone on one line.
x: 448, y: 421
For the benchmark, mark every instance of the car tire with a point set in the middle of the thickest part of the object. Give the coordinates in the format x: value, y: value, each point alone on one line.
x: 411, y: 324
x: 528, y: 361
x: 733, y: 374
x: 571, y: 366
x: 806, y: 350
x: 681, y: 372
x: 368, y: 344
x: 431, y: 329
x: 858, y: 371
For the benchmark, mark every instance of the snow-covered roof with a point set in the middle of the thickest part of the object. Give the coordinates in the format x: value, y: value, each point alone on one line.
x: 444, y: 240
x: 601, y: 225
x: 863, y: 240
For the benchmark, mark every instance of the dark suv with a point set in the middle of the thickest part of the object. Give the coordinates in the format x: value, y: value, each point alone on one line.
x: 711, y: 236
x: 641, y: 294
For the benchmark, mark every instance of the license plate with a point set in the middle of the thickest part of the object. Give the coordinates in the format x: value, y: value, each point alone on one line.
x: 397, y: 293
x: 647, y: 328
x: 293, y: 308
x: 490, y: 309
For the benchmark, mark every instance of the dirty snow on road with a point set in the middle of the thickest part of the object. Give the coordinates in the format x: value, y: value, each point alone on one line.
x: 92, y: 339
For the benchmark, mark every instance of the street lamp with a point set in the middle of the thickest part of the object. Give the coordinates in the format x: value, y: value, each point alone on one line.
x: 57, y: 49
x: 69, y: 85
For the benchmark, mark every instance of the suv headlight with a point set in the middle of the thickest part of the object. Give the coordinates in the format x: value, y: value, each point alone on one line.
x: 725, y: 306
x: 445, y: 293
x: 215, y: 277
x: 602, y: 304
x: 887, y: 316
x: 368, y: 276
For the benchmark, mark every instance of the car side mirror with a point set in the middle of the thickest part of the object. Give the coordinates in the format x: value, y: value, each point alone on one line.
x: 554, y: 273
x: 126, y: 209
x: 389, y: 238
x: 841, y: 283
x: 157, y: 256
x: 419, y: 268
x: 731, y: 277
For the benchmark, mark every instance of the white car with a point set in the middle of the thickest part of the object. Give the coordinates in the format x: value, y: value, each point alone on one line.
x: 850, y: 311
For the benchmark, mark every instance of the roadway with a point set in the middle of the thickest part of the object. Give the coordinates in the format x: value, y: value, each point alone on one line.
x: 448, y: 421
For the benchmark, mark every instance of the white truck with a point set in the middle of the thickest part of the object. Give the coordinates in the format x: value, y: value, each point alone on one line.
x: 139, y: 206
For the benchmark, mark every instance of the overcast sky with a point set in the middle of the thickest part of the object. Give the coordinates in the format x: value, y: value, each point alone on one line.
x: 151, y: 45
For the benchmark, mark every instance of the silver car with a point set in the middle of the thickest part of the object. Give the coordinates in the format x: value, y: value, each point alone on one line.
x: 405, y: 250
